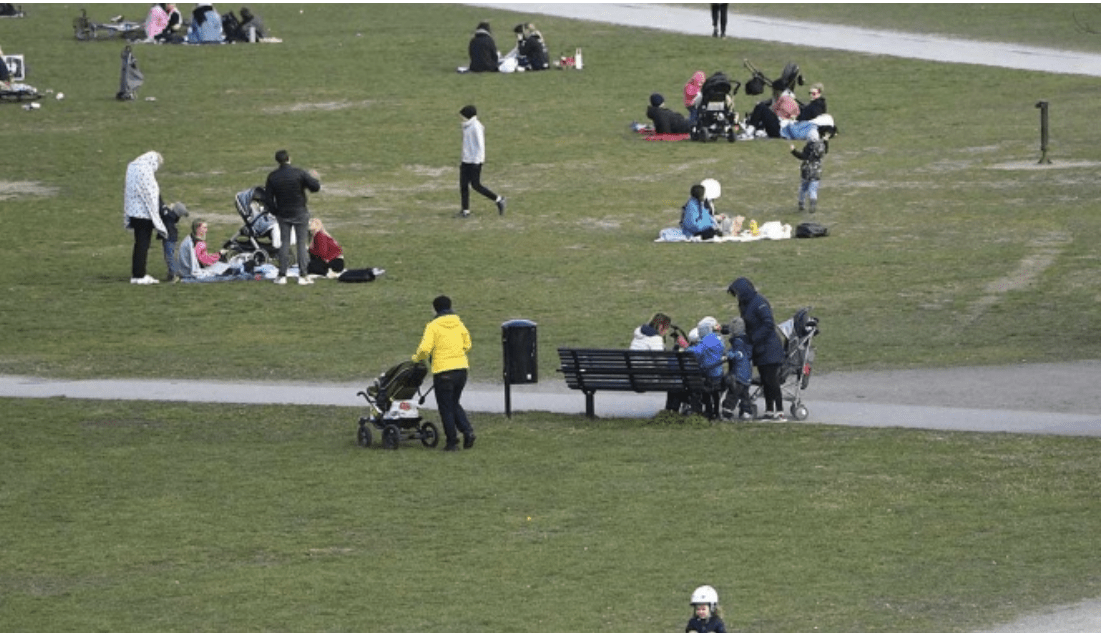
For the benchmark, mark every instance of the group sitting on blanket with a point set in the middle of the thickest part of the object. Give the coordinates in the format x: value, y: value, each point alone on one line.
x: 784, y: 117
x: 530, y: 52
x: 164, y: 24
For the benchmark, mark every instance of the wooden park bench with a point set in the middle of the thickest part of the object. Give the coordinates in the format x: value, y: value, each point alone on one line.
x: 591, y: 370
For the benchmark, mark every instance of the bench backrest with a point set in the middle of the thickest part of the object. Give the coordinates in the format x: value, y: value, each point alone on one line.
x: 639, y: 371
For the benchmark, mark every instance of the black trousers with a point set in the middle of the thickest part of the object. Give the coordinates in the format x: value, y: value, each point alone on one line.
x: 449, y: 385
x: 772, y: 386
x: 720, y: 11
x: 143, y: 235
x: 469, y: 178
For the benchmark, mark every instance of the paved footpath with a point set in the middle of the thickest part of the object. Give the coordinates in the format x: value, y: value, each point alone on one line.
x: 696, y: 21
x: 1061, y: 399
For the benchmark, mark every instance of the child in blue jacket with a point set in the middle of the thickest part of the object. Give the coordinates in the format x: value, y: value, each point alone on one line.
x: 738, y: 379
x: 697, y: 219
x: 710, y: 352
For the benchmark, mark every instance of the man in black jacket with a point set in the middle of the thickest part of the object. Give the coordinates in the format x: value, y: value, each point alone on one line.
x: 482, y: 51
x: 286, y: 188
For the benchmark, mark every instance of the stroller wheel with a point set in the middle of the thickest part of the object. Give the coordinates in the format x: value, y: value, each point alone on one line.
x: 430, y: 435
x: 799, y: 412
x: 364, y: 435
x: 391, y: 437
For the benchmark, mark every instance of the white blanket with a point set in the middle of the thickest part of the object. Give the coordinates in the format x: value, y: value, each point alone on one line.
x: 773, y: 230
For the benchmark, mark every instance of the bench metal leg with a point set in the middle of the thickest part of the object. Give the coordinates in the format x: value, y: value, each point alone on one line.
x: 589, y: 403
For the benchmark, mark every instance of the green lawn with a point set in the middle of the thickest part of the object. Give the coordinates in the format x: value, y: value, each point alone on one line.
x: 168, y: 517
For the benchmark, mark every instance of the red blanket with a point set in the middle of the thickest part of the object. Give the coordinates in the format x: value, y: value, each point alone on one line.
x: 668, y: 137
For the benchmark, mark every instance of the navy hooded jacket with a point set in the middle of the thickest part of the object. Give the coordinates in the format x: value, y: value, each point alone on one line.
x: 766, y: 347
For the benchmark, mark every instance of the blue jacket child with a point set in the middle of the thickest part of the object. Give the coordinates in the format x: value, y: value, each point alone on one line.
x: 697, y: 220
x: 738, y: 379
x: 710, y: 351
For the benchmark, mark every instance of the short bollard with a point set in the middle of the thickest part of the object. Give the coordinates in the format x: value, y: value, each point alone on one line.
x: 1044, y: 114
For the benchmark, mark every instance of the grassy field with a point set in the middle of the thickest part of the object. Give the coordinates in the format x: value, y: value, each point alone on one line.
x: 153, y: 517
x: 950, y: 246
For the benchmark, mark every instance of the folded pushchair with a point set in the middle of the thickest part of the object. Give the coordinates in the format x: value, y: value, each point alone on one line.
x: 259, y: 236
x: 714, y: 116
x: 85, y: 29
x: 797, y: 334
x: 391, y: 408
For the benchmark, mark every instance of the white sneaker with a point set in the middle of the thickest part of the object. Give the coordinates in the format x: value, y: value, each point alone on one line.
x: 306, y: 281
x: 377, y: 272
x: 147, y: 279
x: 281, y: 280
x: 332, y: 274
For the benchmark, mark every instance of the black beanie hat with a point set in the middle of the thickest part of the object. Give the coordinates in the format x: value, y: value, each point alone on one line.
x: 468, y: 111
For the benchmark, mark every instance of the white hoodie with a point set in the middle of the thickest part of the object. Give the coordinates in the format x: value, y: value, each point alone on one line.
x: 473, y: 151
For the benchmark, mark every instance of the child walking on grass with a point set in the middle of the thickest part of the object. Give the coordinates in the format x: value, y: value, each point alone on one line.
x: 812, y: 157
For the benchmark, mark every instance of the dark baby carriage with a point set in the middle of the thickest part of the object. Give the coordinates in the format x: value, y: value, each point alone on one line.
x: 392, y: 411
x: 797, y: 334
x: 714, y: 116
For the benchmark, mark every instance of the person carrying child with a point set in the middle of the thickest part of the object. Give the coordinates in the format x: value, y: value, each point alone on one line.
x: 710, y: 353
x: 738, y: 379
x: 812, y: 157
x: 707, y: 612
x: 697, y: 221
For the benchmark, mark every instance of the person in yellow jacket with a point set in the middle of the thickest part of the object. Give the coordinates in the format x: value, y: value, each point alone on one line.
x: 447, y: 341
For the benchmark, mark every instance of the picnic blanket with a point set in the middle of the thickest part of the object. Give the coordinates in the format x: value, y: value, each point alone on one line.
x: 773, y: 230
x: 648, y: 132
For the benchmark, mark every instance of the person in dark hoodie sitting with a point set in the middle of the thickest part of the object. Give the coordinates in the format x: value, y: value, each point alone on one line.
x: 665, y: 120
x: 482, y: 51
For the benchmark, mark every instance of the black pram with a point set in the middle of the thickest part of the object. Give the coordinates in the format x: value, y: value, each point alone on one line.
x: 392, y: 409
x: 714, y: 116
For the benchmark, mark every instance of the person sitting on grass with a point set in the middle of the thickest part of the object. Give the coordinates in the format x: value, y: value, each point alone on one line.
x: 665, y: 120
x: 326, y: 258
x: 193, y: 259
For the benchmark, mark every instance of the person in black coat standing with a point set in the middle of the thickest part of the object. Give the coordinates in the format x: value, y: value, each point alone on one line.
x: 482, y: 51
x: 767, y: 352
x: 286, y: 188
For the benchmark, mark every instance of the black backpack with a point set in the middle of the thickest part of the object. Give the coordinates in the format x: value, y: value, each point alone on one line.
x: 810, y: 230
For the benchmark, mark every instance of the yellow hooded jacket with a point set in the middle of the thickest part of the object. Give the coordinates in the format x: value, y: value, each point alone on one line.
x: 448, y: 341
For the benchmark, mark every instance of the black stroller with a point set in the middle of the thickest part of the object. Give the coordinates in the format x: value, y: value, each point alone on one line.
x: 797, y: 334
x: 791, y: 77
x: 714, y: 116
x: 392, y: 411
x: 259, y: 236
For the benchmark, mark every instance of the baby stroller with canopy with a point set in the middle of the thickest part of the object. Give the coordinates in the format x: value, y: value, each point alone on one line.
x: 259, y: 236
x: 797, y: 334
x: 391, y: 408
x: 714, y: 116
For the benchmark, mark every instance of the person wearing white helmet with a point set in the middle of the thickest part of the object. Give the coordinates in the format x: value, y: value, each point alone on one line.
x: 707, y: 612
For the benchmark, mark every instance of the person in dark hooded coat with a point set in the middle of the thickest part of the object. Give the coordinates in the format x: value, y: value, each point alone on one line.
x: 482, y: 51
x: 767, y: 352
